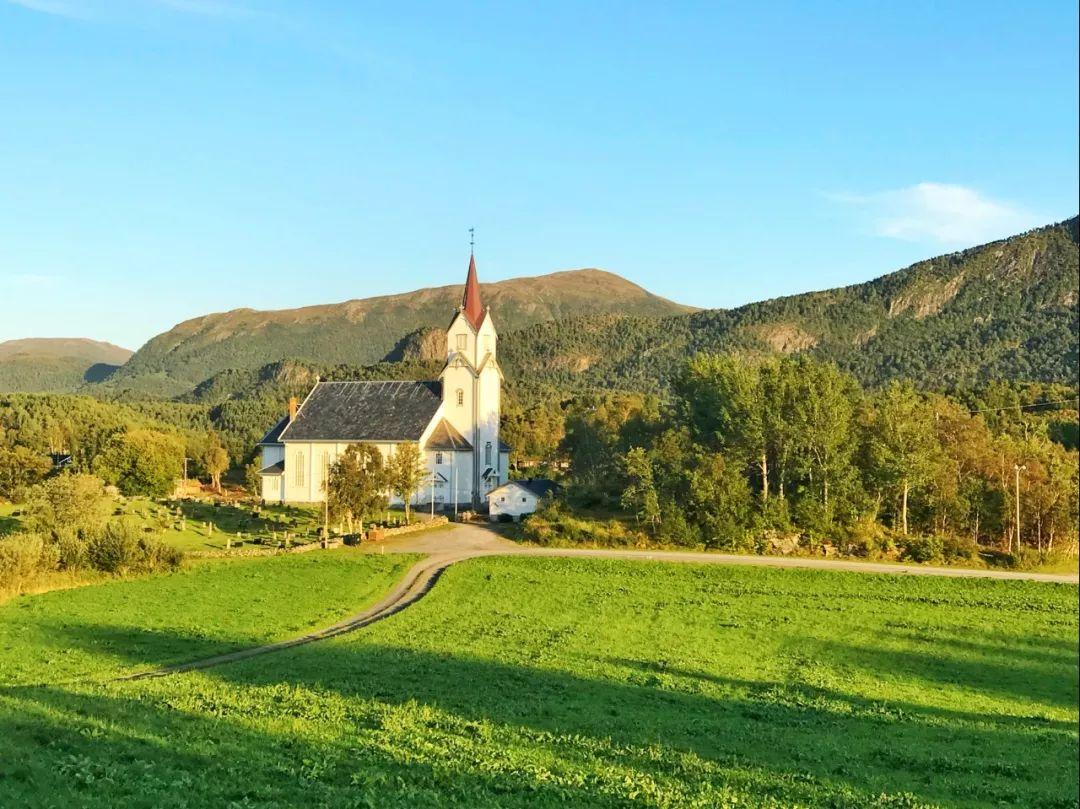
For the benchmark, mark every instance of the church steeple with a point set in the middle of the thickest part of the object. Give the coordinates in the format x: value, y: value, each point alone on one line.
x: 470, y: 301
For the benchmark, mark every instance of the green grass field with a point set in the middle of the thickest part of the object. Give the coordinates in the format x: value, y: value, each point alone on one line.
x: 547, y: 682
x: 211, y: 607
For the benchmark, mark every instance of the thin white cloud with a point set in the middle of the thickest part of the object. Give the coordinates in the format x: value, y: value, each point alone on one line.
x: 939, y: 213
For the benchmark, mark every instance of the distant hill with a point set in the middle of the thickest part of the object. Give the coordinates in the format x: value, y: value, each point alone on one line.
x: 367, y: 331
x: 1005, y: 310
x: 56, y: 364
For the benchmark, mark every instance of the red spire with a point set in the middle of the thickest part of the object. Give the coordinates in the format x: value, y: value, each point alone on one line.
x: 470, y: 301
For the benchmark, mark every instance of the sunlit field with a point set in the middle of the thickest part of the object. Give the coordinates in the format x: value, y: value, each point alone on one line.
x: 543, y: 682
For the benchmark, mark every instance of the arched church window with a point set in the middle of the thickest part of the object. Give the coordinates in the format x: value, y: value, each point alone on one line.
x: 462, y: 342
x: 487, y: 453
x: 460, y: 397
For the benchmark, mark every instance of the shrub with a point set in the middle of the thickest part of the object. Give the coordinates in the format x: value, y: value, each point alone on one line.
x: 921, y: 549
x: 116, y: 548
x: 867, y: 538
x: 676, y: 529
x: 959, y: 549
x: 120, y: 548
x: 20, y: 559
x: 156, y: 555
x: 68, y: 506
x: 70, y: 551
x: 505, y: 518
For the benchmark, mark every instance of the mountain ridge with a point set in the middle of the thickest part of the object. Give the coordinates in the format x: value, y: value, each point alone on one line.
x: 1006, y: 309
x: 48, y: 364
x: 366, y: 330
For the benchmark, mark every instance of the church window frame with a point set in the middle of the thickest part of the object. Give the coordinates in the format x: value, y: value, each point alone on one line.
x: 438, y: 459
x: 462, y: 342
x: 298, y: 473
x: 487, y: 453
x: 460, y: 397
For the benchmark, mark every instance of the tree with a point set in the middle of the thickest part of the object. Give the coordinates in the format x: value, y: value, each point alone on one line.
x: 720, y: 501
x: 405, y: 472
x: 722, y: 399
x: 640, y: 496
x: 216, y: 461
x: 145, y: 462
x: 21, y: 467
x: 357, y: 484
x: 903, y: 447
x: 821, y: 418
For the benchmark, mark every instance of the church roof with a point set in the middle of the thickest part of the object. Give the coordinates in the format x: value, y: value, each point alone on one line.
x: 470, y: 301
x: 446, y: 437
x: 365, y: 411
x: 274, y: 433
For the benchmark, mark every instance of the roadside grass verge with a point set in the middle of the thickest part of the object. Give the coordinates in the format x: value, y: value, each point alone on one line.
x: 553, y: 682
x: 210, y: 607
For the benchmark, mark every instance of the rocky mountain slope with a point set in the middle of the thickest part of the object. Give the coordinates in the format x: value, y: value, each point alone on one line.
x: 1005, y: 310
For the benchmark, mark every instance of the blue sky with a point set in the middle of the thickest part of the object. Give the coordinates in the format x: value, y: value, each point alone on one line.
x: 161, y: 159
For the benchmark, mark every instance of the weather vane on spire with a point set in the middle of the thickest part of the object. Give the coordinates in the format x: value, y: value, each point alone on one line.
x: 472, y: 233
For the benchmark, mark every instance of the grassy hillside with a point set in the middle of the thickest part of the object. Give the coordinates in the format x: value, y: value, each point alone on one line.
x: 210, y: 608
x: 56, y: 364
x: 1006, y: 310
x: 548, y: 682
x: 365, y: 331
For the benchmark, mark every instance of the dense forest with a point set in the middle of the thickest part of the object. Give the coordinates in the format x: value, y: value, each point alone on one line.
x: 753, y: 455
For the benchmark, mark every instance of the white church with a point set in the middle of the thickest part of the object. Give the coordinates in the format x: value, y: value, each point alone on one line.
x: 454, y: 419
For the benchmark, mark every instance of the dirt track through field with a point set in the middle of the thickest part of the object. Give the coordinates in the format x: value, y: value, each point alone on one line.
x: 463, y: 542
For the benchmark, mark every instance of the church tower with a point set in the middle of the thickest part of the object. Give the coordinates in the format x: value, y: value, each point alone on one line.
x: 471, y: 392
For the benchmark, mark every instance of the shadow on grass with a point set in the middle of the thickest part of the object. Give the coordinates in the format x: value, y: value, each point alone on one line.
x: 787, y: 741
x: 1036, y: 670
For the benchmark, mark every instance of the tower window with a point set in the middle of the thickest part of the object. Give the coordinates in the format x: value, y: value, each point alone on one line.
x: 438, y: 458
x: 487, y: 453
x: 460, y: 397
x: 487, y: 344
x: 462, y: 342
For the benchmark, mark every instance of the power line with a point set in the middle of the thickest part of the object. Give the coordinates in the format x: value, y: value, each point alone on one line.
x: 1023, y: 407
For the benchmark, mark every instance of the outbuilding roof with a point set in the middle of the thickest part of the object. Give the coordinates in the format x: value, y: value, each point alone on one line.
x: 365, y: 411
x: 540, y: 487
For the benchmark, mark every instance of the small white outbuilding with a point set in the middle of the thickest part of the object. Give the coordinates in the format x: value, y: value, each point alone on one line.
x: 518, y: 497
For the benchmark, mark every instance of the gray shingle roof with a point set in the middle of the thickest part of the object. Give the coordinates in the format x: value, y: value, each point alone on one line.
x: 445, y: 437
x: 274, y: 433
x: 365, y: 411
x: 541, y: 487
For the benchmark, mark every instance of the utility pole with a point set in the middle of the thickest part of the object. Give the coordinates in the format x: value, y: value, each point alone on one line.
x: 1017, y: 469
x: 453, y: 466
x: 433, y: 494
x: 326, y: 500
